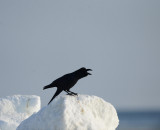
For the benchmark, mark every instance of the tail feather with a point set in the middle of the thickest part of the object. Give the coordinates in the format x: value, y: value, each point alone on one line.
x: 56, y: 94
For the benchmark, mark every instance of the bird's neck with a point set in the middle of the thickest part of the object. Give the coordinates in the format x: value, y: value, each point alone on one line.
x: 78, y: 75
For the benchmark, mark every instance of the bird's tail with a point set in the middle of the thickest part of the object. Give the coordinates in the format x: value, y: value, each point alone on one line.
x: 57, y: 93
x: 48, y: 86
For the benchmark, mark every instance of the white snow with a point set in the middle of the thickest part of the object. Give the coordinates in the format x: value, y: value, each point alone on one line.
x: 15, y: 109
x: 73, y: 113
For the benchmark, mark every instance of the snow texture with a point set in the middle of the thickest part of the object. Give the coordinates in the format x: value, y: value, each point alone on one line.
x: 73, y: 113
x: 15, y: 109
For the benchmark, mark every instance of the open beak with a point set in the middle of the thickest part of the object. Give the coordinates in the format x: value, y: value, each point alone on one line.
x: 88, y: 72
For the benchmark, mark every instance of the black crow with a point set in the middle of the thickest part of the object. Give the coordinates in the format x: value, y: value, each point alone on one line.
x: 68, y: 81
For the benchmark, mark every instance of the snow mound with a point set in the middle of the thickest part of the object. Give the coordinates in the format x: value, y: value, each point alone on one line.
x: 15, y: 109
x: 73, y: 113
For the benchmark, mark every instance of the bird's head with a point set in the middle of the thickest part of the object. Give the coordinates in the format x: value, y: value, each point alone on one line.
x: 83, y: 72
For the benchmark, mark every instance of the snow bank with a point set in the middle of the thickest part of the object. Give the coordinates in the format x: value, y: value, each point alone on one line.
x: 14, y: 109
x: 73, y: 113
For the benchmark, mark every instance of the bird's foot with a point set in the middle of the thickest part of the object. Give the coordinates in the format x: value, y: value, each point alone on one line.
x: 71, y: 94
x: 75, y: 94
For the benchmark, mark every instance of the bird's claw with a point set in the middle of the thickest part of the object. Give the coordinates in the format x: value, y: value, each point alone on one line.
x: 69, y: 94
x: 72, y: 94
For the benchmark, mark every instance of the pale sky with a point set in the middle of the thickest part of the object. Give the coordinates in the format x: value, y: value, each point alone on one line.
x: 120, y: 40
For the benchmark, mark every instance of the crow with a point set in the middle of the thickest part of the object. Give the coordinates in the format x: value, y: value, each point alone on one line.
x: 67, y: 81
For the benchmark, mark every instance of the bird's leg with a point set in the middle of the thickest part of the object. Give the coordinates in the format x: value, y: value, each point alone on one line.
x: 72, y: 92
x: 68, y: 93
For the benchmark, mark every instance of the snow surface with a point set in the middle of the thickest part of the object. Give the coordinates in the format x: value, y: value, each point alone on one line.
x: 15, y: 109
x: 73, y: 113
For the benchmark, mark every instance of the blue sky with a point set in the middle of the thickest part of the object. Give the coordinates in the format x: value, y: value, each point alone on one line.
x: 43, y: 40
